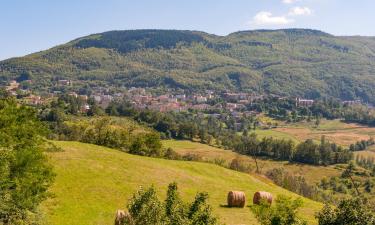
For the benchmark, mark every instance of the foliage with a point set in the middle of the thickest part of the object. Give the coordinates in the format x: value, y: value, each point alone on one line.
x: 294, y: 183
x: 349, y: 211
x: 146, y: 209
x: 25, y: 173
x: 288, y: 62
x: 284, y: 213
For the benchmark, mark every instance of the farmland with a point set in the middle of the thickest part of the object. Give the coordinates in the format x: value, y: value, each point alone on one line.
x: 334, y: 130
x: 93, y: 182
x: 312, y: 174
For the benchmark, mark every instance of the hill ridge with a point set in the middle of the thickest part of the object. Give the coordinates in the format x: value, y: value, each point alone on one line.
x: 287, y: 62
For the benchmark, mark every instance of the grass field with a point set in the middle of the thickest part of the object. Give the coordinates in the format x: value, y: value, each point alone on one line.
x: 334, y: 130
x: 93, y: 182
x: 312, y: 174
x: 275, y: 134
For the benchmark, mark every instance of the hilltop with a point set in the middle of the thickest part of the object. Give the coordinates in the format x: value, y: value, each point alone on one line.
x: 289, y: 62
x: 93, y: 182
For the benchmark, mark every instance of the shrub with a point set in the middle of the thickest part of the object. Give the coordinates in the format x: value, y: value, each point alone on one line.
x: 284, y: 213
x: 349, y: 211
x: 241, y: 165
x: 25, y: 174
x: 146, y: 209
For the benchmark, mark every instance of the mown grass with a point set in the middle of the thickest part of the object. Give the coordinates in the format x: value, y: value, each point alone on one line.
x: 93, y: 182
x: 275, y: 134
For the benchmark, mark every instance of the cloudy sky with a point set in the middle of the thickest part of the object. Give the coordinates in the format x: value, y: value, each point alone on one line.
x: 33, y: 25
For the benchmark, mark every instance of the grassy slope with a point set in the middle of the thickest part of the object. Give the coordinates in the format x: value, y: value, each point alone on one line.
x: 92, y: 182
x: 312, y: 174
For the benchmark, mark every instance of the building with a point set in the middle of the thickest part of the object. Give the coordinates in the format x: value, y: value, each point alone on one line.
x: 304, y: 102
x: 13, y: 85
x: 353, y: 102
x: 65, y: 82
x: 200, y: 99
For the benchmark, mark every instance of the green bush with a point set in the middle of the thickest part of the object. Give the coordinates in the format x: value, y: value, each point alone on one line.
x: 146, y: 209
x: 284, y: 213
x: 25, y: 174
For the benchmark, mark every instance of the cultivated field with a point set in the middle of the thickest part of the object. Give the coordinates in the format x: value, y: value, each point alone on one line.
x: 93, y: 182
x: 369, y: 153
x: 334, y: 130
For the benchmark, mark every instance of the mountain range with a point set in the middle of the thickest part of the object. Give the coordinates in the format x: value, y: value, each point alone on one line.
x: 287, y: 62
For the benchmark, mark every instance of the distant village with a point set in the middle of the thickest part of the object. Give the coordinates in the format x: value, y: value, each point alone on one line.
x: 141, y: 98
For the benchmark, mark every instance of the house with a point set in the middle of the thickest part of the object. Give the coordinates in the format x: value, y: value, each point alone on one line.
x: 33, y: 100
x: 85, y: 107
x: 350, y: 103
x: 163, y: 98
x: 64, y: 82
x: 83, y: 97
x: 181, y: 97
x: 73, y: 94
x: 13, y: 85
x: 201, y: 107
x: 304, y: 102
x: 200, y: 99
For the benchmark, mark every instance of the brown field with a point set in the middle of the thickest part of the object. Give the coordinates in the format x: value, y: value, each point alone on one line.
x: 370, y: 153
x: 334, y: 130
x: 313, y: 174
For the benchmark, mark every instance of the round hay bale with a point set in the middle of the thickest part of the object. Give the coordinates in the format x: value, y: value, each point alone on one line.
x: 259, y: 195
x: 236, y: 199
x: 123, y: 217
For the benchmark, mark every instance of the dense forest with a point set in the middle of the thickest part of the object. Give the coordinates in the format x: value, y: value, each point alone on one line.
x: 291, y: 62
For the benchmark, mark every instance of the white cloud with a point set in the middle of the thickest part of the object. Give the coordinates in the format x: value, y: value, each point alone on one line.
x: 300, y: 11
x: 289, y: 1
x: 266, y: 18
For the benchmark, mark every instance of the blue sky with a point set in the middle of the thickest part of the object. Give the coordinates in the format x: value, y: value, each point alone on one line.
x: 27, y: 26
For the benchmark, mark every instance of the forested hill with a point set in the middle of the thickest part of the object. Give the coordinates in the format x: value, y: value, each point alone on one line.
x: 294, y: 62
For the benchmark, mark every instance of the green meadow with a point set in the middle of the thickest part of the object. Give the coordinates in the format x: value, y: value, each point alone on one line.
x: 93, y: 182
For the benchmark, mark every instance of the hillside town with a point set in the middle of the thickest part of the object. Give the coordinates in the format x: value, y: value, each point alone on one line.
x: 141, y: 98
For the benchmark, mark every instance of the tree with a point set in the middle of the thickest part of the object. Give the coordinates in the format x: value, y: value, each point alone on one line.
x: 317, y: 121
x: 348, y: 173
x: 349, y: 212
x: 368, y: 185
x: 250, y: 146
x: 284, y: 213
x: 25, y: 173
x: 146, y: 209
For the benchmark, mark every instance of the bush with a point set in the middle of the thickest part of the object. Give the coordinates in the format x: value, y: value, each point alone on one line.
x: 349, y: 212
x: 147, y: 145
x: 25, y: 174
x: 241, y: 165
x: 146, y: 209
x: 284, y: 213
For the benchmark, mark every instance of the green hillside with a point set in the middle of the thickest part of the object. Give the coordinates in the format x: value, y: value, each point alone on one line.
x: 294, y: 62
x: 93, y: 182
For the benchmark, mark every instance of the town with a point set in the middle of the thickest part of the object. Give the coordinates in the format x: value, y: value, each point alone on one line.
x: 141, y: 98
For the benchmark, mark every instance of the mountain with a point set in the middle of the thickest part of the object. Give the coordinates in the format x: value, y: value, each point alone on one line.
x: 288, y: 62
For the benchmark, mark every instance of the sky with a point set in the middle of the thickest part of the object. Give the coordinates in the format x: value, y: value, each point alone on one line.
x: 27, y: 26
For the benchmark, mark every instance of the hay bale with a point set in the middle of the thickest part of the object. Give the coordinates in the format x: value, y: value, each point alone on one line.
x: 123, y: 217
x: 259, y: 195
x: 236, y: 199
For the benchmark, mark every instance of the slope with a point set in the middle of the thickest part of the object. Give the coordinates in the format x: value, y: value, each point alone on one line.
x: 312, y: 174
x: 291, y: 62
x: 92, y: 182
